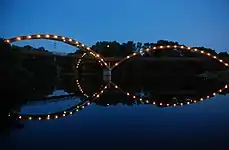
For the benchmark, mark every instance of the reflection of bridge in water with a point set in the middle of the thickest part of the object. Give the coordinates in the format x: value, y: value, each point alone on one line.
x: 89, y: 100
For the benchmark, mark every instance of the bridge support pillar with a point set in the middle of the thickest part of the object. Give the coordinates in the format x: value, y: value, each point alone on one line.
x: 107, y: 74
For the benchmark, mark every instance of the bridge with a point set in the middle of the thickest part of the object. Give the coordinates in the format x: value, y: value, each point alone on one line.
x: 103, y: 61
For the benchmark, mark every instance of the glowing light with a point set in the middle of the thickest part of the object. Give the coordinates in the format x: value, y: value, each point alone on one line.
x: 29, y: 37
x: 69, y: 40
x: 47, y: 36
x: 18, y: 38
x: 38, y: 35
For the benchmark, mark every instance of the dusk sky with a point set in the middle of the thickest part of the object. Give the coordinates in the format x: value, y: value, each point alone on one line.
x: 193, y: 23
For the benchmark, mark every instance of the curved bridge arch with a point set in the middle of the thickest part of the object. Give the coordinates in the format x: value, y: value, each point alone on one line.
x: 194, y: 50
x: 155, y: 102
x: 77, y: 81
x: 56, y: 115
x: 63, y: 39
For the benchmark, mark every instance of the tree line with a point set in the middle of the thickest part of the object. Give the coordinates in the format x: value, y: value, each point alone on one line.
x: 116, y: 49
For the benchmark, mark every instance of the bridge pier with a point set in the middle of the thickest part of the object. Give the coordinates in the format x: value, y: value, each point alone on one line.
x: 107, y: 74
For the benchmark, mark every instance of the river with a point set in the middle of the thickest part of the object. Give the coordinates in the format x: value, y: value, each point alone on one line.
x: 105, y: 124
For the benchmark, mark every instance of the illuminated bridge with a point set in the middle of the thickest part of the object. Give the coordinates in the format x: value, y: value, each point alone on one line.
x: 109, y: 67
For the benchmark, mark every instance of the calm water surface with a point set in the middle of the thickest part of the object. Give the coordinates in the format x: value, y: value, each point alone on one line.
x: 126, y: 127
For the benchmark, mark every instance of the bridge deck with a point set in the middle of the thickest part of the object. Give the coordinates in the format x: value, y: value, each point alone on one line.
x: 115, y: 59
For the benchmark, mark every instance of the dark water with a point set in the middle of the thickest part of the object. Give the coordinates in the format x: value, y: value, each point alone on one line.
x: 114, y: 122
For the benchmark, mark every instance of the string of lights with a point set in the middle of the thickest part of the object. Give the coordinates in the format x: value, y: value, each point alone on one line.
x: 156, y: 102
x: 169, y: 47
x: 64, y: 39
x: 83, y: 104
x: 77, y: 81
x: 67, y: 112
x: 80, y: 45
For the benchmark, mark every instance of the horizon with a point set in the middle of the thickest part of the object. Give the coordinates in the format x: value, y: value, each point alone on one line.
x: 90, y: 22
